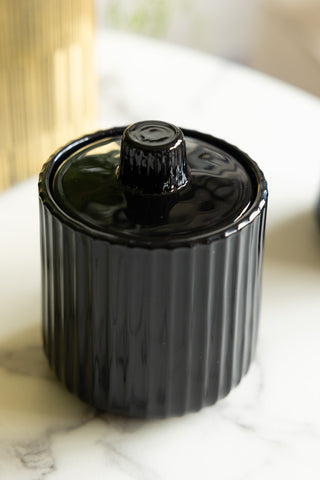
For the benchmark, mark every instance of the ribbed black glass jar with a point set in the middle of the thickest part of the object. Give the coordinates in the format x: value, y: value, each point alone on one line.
x: 152, y: 244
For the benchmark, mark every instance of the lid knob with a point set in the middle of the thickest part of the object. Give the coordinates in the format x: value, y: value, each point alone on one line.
x: 153, y: 157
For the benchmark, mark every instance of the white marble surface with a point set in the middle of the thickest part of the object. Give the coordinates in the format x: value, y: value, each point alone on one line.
x: 269, y: 427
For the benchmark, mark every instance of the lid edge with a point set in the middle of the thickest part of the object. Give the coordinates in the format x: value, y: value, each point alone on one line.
x: 259, y: 203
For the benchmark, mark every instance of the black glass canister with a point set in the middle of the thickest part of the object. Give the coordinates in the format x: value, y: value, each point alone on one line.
x: 152, y: 243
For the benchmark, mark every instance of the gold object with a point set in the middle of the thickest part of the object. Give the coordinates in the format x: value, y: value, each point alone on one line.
x: 47, y: 80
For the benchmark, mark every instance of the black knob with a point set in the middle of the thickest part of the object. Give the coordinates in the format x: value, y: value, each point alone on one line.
x: 153, y: 157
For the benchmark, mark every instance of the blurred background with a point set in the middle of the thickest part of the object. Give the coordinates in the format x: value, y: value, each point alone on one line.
x: 278, y: 37
x: 47, y: 80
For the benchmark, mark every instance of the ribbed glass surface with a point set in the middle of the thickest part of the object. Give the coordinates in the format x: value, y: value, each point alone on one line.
x: 150, y: 333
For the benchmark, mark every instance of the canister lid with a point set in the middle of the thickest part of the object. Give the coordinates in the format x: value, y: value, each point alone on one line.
x: 153, y: 184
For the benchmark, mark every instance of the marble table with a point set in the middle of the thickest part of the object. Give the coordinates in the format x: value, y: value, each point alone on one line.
x: 268, y: 427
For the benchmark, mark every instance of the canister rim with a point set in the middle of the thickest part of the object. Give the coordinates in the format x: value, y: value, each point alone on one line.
x: 256, y: 176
